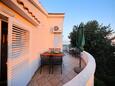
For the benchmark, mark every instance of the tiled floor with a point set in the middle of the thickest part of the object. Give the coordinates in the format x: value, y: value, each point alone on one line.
x: 57, y: 79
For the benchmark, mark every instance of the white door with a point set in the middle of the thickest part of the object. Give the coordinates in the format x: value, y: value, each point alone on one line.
x: 57, y: 40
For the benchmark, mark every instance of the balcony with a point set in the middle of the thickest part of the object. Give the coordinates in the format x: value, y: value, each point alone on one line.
x: 68, y: 77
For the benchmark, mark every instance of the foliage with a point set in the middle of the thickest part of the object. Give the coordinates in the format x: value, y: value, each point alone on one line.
x: 98, y: 44
x: 99, y: 82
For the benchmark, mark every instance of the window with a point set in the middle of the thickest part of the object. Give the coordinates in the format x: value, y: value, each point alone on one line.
x: 20, y: 41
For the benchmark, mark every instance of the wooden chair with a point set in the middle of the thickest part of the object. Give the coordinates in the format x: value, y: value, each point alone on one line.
x: 57, y: 60
x: 45, y: 61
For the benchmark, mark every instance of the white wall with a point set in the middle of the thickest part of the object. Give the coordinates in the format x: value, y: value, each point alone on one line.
x: 86, y: 76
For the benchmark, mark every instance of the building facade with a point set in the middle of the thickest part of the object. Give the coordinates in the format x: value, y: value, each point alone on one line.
x: 26, y: 30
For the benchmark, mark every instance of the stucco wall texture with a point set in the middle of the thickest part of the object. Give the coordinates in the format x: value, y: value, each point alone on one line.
x: 41, y: 38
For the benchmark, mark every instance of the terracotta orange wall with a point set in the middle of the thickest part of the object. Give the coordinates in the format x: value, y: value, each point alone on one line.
x: 43, y: 34
x: 35, y: 33
x: 40, y: 39
x: 56, y: 21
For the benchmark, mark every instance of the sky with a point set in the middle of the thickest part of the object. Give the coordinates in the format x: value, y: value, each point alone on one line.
x: 77, y: 11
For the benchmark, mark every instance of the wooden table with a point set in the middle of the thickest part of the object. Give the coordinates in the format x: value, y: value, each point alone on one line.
x: 52, y: 54
x: 52, y: 57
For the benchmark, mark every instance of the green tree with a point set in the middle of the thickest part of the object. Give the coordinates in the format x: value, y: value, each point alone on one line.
x: 98, y: 44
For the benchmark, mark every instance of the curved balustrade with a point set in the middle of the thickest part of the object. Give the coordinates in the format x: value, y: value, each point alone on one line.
x: 86, y: 76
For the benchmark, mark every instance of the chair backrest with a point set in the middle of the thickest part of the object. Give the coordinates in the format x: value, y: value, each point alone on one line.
x: 55, y: 49
x: 44, y: 59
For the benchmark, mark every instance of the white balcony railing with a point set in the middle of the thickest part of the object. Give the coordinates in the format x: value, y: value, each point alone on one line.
x: 86, y: 76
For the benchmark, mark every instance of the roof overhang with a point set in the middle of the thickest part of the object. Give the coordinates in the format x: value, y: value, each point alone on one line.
x: 56, y: 15
x: 21, y: 11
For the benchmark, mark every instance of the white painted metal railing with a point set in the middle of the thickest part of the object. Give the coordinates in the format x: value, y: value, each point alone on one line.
x: 86, y: 76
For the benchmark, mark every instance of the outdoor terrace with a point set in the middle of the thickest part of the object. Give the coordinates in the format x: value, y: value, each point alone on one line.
x: 57, y: 79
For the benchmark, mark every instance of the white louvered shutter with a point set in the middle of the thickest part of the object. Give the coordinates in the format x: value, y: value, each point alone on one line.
x: 20, y: 41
